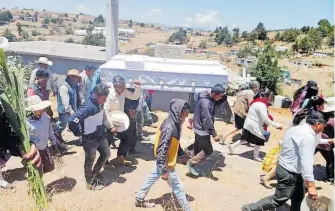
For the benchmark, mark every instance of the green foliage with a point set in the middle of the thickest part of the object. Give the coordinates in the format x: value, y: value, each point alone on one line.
x: 252, y: 36
x: 66, y: 15
x: 150, y: 52
x: 8, y: 34
x: 236, y: 35
x: 315, y: 36
x: 266, y: 70
x: 245, y: 52
x: 305, y: 45
x: 278, y: 37
x: 142, y: 24
x: 25, y: 35
x: 99, y: 19
x: 290, y: 35
x: 69, y: 30
x: 46, y: 20
x: 69, y: 40
x: 331, y: 38
x: 324, y: 27
x: 34, y: 33
x: 89, y: 29
x: 244, y: 34
x: 13, y: 103
x: 179, y: 37
x: 6, y: 16
x: 19, y: 28
x: 305, y: 29
x: 203, y: 44
x: 221, y: 35
x: 261, y: 31
x: 94, y: 39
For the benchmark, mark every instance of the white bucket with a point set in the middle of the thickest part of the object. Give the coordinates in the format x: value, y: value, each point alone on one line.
x: 278, y: 101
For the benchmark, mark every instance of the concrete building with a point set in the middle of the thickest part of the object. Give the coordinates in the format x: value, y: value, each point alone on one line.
x: 245, y: 61
x: 302, y: 63
x: 281, y: 48
x: 63, y: 55
x: 323, y: 53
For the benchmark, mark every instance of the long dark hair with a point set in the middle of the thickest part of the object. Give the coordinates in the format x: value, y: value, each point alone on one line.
x: 309, y: 87
x: 314, y: 102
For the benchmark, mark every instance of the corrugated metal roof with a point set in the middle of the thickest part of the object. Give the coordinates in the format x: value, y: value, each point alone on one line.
x: 59, y: 49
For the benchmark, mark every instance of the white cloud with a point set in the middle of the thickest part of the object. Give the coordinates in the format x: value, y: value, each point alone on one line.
x: 185, y: 25
x: 156, y: 10
x: 208, y: 18
x: 83, y: 9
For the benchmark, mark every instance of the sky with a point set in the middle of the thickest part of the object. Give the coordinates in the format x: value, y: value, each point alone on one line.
x: 245, y: 14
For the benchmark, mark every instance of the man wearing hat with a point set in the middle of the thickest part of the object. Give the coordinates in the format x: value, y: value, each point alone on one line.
x: 241, y: 107
x: 67, y: 100
x: 87, y: 80
x: 43, y: 64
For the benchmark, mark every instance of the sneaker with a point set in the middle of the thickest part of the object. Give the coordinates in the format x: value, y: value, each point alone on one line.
x: 258, y: 159
x: 231, y: 150
x: 5, y: 185
x: 94, y: 185
x: 191, y: 168
x: 144, y: 204
x: 143, y: 138
x: 265, y: 183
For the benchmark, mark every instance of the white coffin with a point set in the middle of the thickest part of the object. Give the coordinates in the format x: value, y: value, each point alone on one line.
x: 163, y: 74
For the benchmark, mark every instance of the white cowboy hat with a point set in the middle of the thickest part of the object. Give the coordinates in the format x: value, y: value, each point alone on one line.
x: 119, y: 120
x: 72, y: 72
x: 44, y: 60
x: 329, y: 106
x: 34, y: 103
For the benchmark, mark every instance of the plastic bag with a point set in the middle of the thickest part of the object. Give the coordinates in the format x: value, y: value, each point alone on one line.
x: 271, y: 158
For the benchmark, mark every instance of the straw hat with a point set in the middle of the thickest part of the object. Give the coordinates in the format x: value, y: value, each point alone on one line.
x: 119, y: 119
x: 329, y: 106
x: 73, y: 72
x: 34, y: 103
x: 44, y: 60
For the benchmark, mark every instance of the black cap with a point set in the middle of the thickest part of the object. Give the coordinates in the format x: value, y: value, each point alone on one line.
x: 312, y: 84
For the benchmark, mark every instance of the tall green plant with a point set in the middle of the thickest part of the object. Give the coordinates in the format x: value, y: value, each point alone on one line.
x: 13, y: 102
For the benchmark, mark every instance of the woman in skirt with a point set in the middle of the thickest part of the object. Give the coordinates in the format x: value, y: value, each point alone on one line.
x: 253, y: 127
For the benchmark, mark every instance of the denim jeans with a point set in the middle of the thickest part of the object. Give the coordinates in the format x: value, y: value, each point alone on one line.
x: 62, y: 122
x: 174, y: 183
x: 91, y: 146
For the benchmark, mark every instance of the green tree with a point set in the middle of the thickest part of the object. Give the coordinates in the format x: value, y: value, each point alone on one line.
x: 90, y: 29
x: 66, y: 15
x: 69, y: 40
x: 236, y: 35
x: 60, y: 21
x: 278, y: 37
x: 228, y: 40
x: 179, y: 37
x: 244, y: 34
x: 305, y: 29
x: 252, y: 36
x: 46, y: 20
x: 19, y: 28
x: 324, y: 27
x: 34, y: 32
x: 331, y: 38
x: 69, y: 30
x: 54, y: 20
x: 130, y: 24
x: 305, y: 45
x: 315, y: 37
x: 203, y: 44
x: 6, y: 16
x: 99, y: 19
x: 266, y: 70
x: 245, y: 52
x: 25, y: 34
x: 262, y: 33
x: 74, y: 20
x: 142, y: 24
x: 94, y: 39
x: 8, y: 34
x: 221, y: 35
x: 290, y: 35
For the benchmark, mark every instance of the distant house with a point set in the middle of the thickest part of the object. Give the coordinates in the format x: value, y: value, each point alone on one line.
x: 323, y: 54
x: 201, y: 51
x: 124, y: 39
x: 188, y: 50
x: 3, y: 23
x: 245, y: 61
x: 233, y: 52
x: 302, y: 63
x: 281, y: 48
x: 129, y: 33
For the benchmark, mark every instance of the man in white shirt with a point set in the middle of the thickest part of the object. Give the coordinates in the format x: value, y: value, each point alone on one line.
x: 295, y: 166
x: 115, y: 102
x: 43, y: 64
